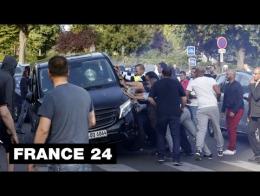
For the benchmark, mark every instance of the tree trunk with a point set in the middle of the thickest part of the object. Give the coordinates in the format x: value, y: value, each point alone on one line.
x: 22, y: 47
x: 241, y: 58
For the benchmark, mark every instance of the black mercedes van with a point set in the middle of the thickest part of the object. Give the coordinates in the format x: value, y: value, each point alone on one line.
x: 95, y: 73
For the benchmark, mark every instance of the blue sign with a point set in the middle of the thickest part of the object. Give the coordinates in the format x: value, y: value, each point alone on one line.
x: 191, y: 50
x: 192, y: 62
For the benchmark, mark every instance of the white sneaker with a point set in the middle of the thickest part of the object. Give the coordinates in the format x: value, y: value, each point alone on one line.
x: 229, y: 152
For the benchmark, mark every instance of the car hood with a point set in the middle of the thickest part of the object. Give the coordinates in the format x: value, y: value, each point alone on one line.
x: 107, y: 97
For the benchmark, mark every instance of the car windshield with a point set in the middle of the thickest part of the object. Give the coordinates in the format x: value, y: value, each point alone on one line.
x: 85, y: 73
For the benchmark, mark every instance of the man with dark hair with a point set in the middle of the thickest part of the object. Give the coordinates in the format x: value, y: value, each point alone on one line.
x: 65, y: 115
x: 192, y: 101
x: 7, y: 84
x: 169, y: 97
x: 24, y: 87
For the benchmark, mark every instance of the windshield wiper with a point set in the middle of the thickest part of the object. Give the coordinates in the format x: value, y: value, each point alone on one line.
x: 100, y: 86
x: 94, y: 87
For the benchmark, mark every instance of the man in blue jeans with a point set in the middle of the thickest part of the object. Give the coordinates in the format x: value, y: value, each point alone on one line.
x: 61, y: 121
x: 169, y: 97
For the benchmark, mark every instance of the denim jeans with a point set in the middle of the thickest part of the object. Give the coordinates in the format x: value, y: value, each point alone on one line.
x: 174, y: 125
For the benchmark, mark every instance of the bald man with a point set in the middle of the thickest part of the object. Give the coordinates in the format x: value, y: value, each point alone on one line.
x: 254, y: 115
x: 233, y: 106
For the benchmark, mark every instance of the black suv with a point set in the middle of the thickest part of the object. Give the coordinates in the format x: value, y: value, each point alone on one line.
x: 93, y: 72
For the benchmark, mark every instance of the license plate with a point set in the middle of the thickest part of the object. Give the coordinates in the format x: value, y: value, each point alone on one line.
x: 97, y: 134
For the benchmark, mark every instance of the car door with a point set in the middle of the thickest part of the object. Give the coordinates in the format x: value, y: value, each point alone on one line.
x: 244, y: 80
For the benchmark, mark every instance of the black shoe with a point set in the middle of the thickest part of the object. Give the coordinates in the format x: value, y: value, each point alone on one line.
x: 198, y: 156
x: 220, y: 153
x: 177, y: 163
x: 210, y: 156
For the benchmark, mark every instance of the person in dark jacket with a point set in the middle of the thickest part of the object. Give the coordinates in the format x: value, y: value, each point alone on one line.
x: 24, y: 87
x: 233, y: 106
x: 254, y: 115
x: 7, y: 84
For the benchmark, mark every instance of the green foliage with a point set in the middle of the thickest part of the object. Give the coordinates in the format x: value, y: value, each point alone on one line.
x: 9, y: 40
x: 116, y: 39
x: 41, y: 37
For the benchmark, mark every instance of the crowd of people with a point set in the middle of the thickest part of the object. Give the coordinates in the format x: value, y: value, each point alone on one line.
x: 171, y: 114
x: 169, y: 110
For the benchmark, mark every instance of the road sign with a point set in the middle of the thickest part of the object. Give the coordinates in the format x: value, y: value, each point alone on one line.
x: 192, y: 62
x: 222, y: 50
x: 191, y: 50
x: 222, y: 42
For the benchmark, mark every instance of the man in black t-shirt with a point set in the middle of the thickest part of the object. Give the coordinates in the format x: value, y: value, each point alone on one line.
x: 7, y: 129
x: 169, y: 97
x: 7, y: 86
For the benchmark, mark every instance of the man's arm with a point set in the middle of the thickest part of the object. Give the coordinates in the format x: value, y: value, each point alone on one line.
x: 183, y: 101
x: 217, y: 91
x: 91, y: 119
x: 152, y: 95
x: 42, y: 131
x: 255, y: 92
x: 41, y: 135
x: 9, y: 87
x: 151, y: 100
x: 8, y: 121
x: 189, y: 90
x: 237, y: 98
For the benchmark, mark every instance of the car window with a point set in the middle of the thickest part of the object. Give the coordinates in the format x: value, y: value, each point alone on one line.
x: 244, y: 80
x: 84, y: 73
x: 221, y: 81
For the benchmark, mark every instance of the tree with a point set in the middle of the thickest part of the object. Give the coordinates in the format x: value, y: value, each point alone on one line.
x: 41, y: 39
x: 8, y: 40
x: 242, y: 39
x: 76, y: 42
x: 24, y: 30
x: 112, y: 38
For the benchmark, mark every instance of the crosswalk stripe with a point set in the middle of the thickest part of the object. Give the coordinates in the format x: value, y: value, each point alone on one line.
x: 244, y: 165
x: 117, y: 167
x: 188, y: 167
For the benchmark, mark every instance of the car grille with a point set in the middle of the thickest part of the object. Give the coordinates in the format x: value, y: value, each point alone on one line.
x: 105, y: 118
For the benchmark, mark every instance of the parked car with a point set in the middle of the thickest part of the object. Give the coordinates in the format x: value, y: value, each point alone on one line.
x: 244, y: 79
x: 93, y: 72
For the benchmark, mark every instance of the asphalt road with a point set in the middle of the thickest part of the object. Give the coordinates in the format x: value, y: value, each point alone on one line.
x: 145, y: 161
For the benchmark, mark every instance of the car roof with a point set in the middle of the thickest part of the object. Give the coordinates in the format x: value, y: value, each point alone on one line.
x: 79, y: 56
x: 238, y: 72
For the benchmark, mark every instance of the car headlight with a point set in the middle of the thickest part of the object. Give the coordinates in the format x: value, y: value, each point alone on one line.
x: 125, y: 108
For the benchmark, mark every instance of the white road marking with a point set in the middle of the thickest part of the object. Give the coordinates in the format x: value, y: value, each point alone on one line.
x: 188, y: 167
x: 244, y: 165
x: 117, y: 167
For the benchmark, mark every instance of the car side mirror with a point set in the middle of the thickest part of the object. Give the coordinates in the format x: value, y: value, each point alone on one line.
x: 246, y: 96
x: 29, y: 97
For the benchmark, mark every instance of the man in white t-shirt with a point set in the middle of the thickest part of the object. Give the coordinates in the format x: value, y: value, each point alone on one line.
x: 206, y: 90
